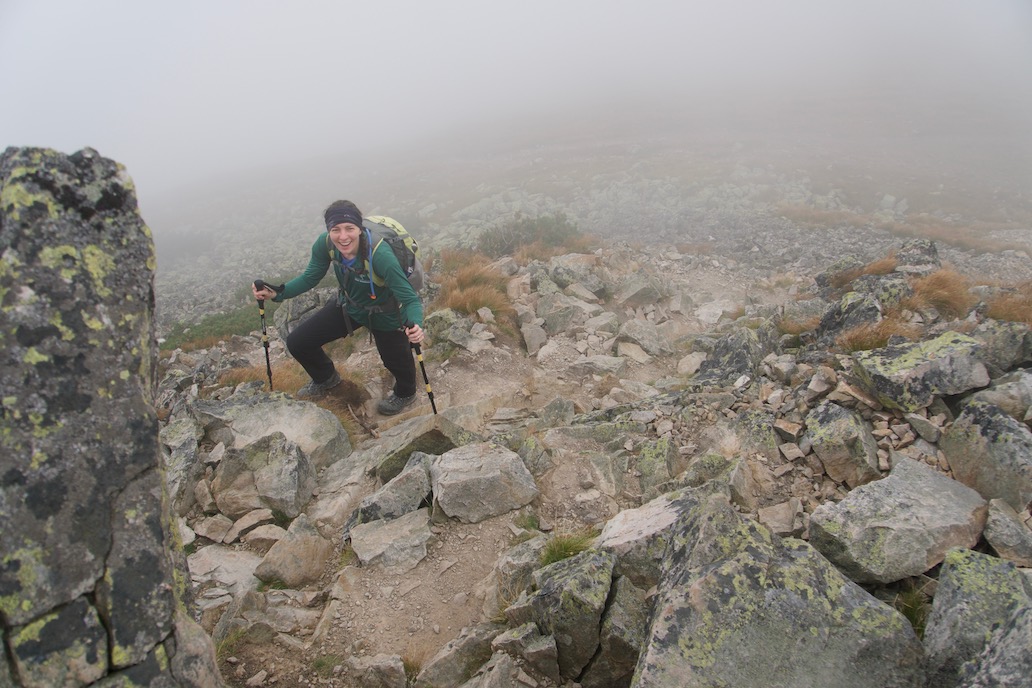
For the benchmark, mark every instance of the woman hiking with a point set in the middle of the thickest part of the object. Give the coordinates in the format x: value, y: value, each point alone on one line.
x: 380, y: 301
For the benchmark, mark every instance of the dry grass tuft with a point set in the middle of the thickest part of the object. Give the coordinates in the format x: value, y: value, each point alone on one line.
x: 875, y: 335
x: 473, y: 287
x: 945, y: 290
x: 797, y: 327
x: 1013, y: 306
x: 882, y: 266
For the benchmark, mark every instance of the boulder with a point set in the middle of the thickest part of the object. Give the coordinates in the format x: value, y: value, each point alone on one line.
x: 1005, y: 345
x: 526, y: 644
x: 1006, y: 660
x: 478, y: 481
x: 398, y: 544
x: 1007, y: 534
x: 622, y: 638
x: 298, y: 559
x: 403, y: 494
x: 378, y: 671
x: 844, y: 444
x: 271, y: 473
x: 240, y: 421
x: 459, y: 658
x: 900, y: 526
x: 991, y: 452
x: 741, y: 607
x: 976, y: 593
x: 568, y: 603
x: 909, y: 376
x: 86, y: 582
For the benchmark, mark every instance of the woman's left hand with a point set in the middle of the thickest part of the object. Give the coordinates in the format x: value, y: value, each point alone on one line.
x: 415, y: 334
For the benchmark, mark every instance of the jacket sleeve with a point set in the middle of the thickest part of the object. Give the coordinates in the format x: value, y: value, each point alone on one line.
x: 318, y: 264
x: 386, y: 266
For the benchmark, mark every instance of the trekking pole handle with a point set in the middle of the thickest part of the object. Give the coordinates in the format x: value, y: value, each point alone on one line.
x: 262, y: 284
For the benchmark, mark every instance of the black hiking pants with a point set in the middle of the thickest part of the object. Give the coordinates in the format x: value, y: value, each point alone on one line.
x: 328, y: 324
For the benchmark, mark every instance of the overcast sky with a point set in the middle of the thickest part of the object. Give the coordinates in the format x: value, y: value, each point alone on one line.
x: 167, y: 87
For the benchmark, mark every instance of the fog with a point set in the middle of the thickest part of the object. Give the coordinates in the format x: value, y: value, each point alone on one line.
x: 193, y: 92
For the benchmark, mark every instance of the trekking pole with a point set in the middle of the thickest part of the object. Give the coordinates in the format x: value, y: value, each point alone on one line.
x: 259, y: 284
x: 419, y: 357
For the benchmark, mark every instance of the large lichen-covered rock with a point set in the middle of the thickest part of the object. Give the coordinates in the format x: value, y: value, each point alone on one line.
x: 82, y: 548
x: 844, y: 444
x: 1006, y: 660
x: 460, y: 658
x: 741, y: 607
x: 1007, y: 534
x: 568, y: 602
x: 976, y: 593
x: 1005, y: 345
x: 991, y: 452
x: 622, y: 638
x: 737, y: 353
x: 909, y: 376
x: 900, y: 526
x: 853, y: 310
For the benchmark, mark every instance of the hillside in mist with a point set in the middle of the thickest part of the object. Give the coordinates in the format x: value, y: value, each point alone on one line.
x: 961, y: 162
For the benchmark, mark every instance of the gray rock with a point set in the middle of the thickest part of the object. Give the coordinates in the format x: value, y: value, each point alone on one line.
x: 378, y: 671
x: 298, y: 559
x: 240, y: 421
x: 398, y: 544
x: 909, y: 376
x: 1006, y: 660
x: 500, y: 671
x: 272, y: 473
x: 460, y: 658
x: 534, y: 337
x: 403, y: 494
x: 598, y: 365
x: 1007, y: 534
x: 740, y: 607
x: 644, y: 334
x: 900, y: 526
x: 511, y: 574
x: 640, y: 537
x: 478, y: 481
x: 622, y: 638
x: 1005, y: 345
x: 1012, y: 393
x: 991, y: 452
x: 975, y: 594
x: 637, y: 291
x: 78, y: 369
x: 844, y: 444
x: 568, y: 603
x: 67, y: 647
x: 526, y: 644
x: 736, y: 353
x: 854, y: 309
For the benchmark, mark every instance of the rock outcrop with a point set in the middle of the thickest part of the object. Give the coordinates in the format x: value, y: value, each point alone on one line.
x: 88, y: 587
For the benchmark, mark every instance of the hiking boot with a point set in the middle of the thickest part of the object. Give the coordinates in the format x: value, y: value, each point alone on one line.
x: 394, y: 404
x: 314, y: 390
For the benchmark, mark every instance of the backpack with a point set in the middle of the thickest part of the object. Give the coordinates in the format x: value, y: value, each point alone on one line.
x: 385, y: 229
x: 406, y: 250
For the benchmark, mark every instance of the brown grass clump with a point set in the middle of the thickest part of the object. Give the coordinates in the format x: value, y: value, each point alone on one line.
x: 474, y: 287
x: 797, y: 327
x: 882, y: 266
x: 539, y: 250
x: 1013, y: 306
x: 946, y: 290
x: 451, y: 259
x: 875, y: 335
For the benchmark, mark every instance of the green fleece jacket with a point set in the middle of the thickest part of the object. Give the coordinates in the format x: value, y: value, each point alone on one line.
x: 359, y: 292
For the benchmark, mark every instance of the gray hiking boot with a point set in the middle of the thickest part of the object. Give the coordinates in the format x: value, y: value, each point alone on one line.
x: 394, y: 404
x: 314, y: 390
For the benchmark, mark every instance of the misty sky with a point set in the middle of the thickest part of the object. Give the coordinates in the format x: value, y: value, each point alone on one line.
x: 223, y: 85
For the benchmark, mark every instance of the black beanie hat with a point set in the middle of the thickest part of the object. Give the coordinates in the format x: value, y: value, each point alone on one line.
x: 342, y: 211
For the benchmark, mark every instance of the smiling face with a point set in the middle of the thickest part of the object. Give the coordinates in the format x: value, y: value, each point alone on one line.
x: 345, y: 237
